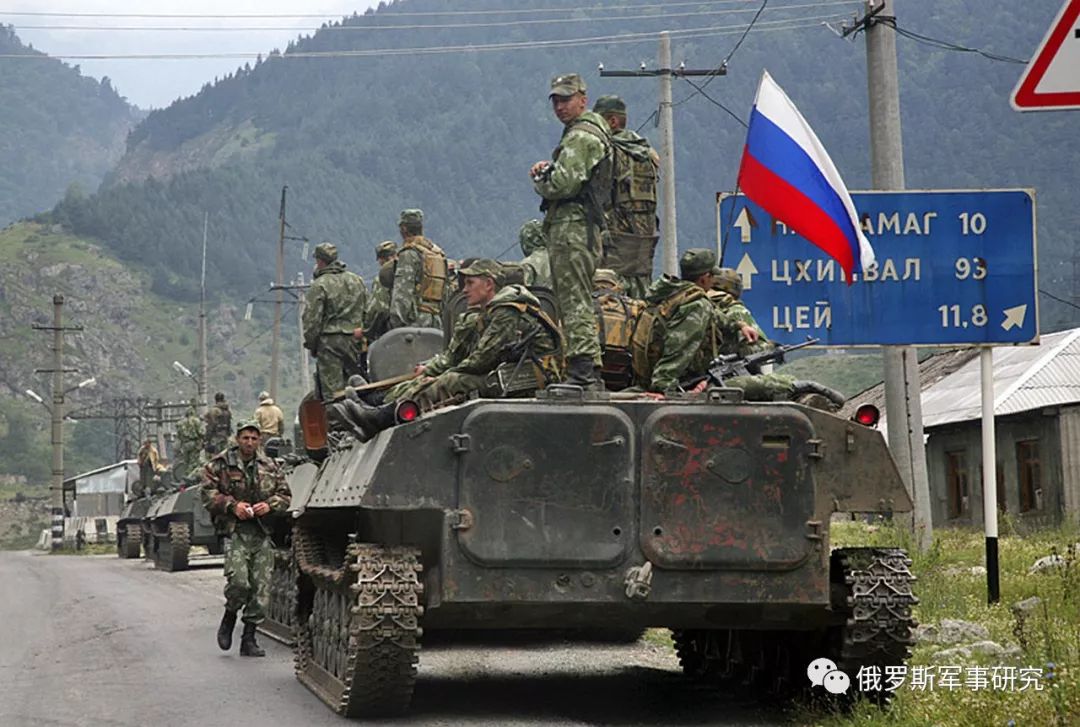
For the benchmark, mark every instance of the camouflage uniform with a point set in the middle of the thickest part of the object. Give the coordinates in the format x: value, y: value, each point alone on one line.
x: 409, y: 305
x: 377, y: 313
x: 484, y: 339
x: 249, y: 559
x: 537, y: 262
x: 191, y: 433
x: 218, y: 427
x: 333, y: 309
x: 686, y: 340
x: 574, y: 189
x: 764, y: 387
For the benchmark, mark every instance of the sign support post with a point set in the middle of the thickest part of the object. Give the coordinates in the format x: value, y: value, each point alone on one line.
x: 989, y: 474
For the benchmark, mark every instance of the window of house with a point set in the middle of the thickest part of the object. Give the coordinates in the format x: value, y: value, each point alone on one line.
x: 956, y: 479
x: 1029, y: 475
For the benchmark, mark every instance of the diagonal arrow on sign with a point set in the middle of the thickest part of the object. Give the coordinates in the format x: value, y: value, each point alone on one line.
x: 746, y: 269
x: 1014, y: 317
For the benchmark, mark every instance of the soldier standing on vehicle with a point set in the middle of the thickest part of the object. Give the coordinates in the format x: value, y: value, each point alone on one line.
x: 191, y: 434
x: 576, y: 189
x: 333, y: 321
x: 218, y: 425
x: 377, y: 314
x: 537, y: 263
x: 632, y: 223
x: 420, y: 276
x: 150, y: 468
x: 241, y: 489
x: 269, y: 416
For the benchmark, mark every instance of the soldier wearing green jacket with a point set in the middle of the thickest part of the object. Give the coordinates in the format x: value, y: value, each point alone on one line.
x: 504, y: 338
x: 576, y: 189
x: 377, y: 314
x: 420, y: 276
x: 190, y: 434
x: 333, y: 321
x: 537, y: 262
x: 241, y: 490
x: 733, y: 314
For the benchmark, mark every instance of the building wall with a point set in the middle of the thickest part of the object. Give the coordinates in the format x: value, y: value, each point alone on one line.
x: 1056, y: 491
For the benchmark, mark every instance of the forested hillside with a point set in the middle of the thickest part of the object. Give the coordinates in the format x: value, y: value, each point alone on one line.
x: 359, y: 136
x: 57, y: 128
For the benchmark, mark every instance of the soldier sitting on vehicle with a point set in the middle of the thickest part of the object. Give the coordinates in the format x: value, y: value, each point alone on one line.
x: 617, y: 315
x: 505, y: 345
x: 726, y: 295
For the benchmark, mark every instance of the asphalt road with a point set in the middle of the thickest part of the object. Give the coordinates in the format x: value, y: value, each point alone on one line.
x: 95, y: 640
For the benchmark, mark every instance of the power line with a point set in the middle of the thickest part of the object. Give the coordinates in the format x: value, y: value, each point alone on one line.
x: 423, y: 26
x: 709, y: 98
x: 433, y: 13
x: 708, y: 31
x: 946, y: 45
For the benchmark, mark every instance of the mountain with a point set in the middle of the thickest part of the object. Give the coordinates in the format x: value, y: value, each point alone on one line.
x: 57, y: 128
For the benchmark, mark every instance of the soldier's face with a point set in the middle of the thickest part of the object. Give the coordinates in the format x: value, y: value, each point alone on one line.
x: 248, y: 440
x: 568, y: 108
x: 479, y: 289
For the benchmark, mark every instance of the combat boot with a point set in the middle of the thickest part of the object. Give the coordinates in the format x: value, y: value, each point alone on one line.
x: 581, y: 371
x: 248, y: 645
x: 225, y: 630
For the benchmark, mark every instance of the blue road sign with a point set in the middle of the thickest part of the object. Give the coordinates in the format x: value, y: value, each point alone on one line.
x: 953, y: 268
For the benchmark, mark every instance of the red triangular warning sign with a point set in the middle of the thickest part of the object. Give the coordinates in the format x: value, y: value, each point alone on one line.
x: 1052, y: 78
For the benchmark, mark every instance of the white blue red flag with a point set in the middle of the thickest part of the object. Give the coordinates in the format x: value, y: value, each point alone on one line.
x: 787, y: 171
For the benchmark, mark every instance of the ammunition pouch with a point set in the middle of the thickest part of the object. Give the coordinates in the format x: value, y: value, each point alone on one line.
x: 629, y: 254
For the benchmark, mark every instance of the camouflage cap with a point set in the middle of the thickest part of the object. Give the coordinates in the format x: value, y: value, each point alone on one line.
x: 386, y: 248
x: 411, y: 217
x: 729, y: 281
x: 531, y: 237
x: 247, y: 424
x: 696, y: 262
x: 488, y: 268
x: 567, y: 85
x: 326, y: 251
x: 606, y: 279
x: 610, y: 105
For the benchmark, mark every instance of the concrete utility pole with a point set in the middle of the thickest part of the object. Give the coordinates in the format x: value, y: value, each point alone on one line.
x: 903, y: 391
x: 56, y: 485
x: 279, y: 280
x: 668, y: 226
x: 201, y: 383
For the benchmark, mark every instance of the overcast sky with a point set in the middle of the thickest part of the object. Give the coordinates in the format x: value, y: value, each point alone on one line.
x: 157, y: 83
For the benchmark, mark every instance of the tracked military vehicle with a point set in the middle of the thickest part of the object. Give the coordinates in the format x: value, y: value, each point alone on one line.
x: 575, y: 510
x: 175, y: 521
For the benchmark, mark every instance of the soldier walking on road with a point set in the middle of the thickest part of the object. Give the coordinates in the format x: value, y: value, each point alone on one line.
x: 576, y: 189
x: 241, y: 489
x: 420, y: 276
x: 218, y: 425
x: 377, y: 315
x: 269, y: 416
x: 333, y: 321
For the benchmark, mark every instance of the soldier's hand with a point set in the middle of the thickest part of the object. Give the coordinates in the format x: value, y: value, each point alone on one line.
x: 260, y: 509
x: 749, y: 333
x: 654, y: 395
x: 242, y: 510
x: 358, y: 333
x: 537, y: 170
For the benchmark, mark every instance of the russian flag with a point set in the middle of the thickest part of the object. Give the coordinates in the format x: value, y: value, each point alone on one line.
x: 787, y: 171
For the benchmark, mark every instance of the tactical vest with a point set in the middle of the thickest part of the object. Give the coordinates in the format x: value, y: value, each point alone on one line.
x: 433, y: 276
x: 595, y: 195
x: 551, y: 363
x: 645, y: 346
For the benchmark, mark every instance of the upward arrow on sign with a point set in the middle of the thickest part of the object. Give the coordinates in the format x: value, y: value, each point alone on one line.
x: 1052, y: 78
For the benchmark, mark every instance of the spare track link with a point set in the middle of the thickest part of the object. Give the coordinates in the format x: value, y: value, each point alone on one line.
x: 130, y: 545
x: 878, y: 603
x: 358, y: 644
x: 172, y: 553
x: 281, y: 616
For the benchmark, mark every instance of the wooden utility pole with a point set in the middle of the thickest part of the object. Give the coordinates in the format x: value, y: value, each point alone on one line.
x: 275, y: 346
x: 668, y: 222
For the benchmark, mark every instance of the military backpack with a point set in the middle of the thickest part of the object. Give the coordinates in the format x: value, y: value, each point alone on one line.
x: 646, y: 343
x: 632, y: 221
x: 434, y: 273
x: 617, y: 316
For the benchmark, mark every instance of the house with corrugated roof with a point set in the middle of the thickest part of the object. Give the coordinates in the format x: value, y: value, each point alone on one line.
x: 1037, y: 426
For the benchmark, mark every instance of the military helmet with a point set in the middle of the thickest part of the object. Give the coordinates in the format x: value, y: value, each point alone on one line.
x: 247, y: 424
x: 607, y: 279
x: 531, y: 237
x: 411, y: 217
x: 385, y: 249
x: 729, y: 281
x: 326, y: 251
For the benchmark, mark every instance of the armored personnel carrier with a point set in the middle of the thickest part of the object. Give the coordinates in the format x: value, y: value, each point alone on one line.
x: 574, y: 510
x: 175, y: 521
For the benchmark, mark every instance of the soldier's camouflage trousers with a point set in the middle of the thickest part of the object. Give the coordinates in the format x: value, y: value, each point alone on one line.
x: 338, y: 358
x: 444, y: 387
x: 249, y: 560
x: 573, y: 262
x: 764, y: 387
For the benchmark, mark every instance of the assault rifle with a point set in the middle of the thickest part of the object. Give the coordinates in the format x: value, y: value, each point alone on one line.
x: 728, y: 366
